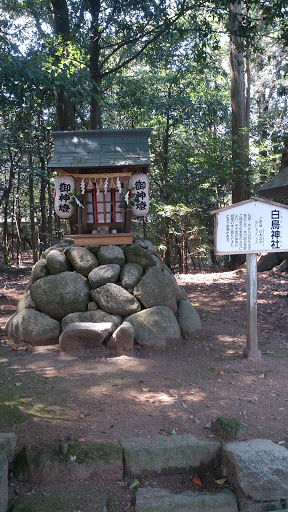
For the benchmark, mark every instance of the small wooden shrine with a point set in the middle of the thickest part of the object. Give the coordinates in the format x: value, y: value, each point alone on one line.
x: 98, y: 171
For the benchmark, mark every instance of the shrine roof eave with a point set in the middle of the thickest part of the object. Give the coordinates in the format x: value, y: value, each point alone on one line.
x: 277, y: 187
x: 101, y: 149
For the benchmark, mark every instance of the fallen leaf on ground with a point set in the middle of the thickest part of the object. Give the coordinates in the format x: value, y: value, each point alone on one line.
x: 196, y: 481
x: 220, y: 481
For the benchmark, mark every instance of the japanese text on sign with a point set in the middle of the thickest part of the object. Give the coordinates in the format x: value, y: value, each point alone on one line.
x: 251, y: 226
x: 140, y: 195
x: 64, y: 197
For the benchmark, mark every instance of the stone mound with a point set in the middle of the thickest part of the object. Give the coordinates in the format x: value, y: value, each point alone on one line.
x: 126, y: 286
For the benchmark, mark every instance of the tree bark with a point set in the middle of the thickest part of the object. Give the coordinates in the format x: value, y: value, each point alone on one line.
x: 240, y: 93
x: 32, y: 216
x: 94, y: 66
x: 64, y: 101
x: 240, y: 102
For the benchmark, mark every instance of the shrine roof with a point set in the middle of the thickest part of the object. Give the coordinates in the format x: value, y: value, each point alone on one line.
x: 101, y: 148
x: 277, y: 187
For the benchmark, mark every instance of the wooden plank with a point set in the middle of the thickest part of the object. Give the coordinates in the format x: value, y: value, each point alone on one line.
x: 251, y: 351
x: 110, y: 239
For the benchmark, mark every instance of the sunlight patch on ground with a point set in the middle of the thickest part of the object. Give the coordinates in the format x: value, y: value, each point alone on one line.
x: 153, y: 397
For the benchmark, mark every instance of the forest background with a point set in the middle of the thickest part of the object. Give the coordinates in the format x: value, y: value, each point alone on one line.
x: 208, y: 77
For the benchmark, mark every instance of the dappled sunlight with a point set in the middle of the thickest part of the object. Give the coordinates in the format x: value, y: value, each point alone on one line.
x: 153, y: 398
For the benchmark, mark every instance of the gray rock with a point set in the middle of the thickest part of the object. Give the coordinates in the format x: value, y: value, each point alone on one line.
x: 3, y: 482
x: 188, y: 318
x: 130, y: 275
x: 157, y: 261
x: 178, y: 290
x: 8, y: 444
x: 82, y: 260
x: 146, y: 244
x: 57, y: 262
x: 104, y: 274
x: 93, y: 248
x: 39, y: 270
x: 92, y: 306
x: 96, y: 316
x: 267, y: 506
x: 60, y: 246
x: 25, y: 302
x: 122, y: 339
x: 33, y: 327
x: 144, y: 456
x: 153, y: 499
x: 111, y: 254
x: 61, y: 294
x: 114, y: 299
x: 84, y: 335
x: 155, y: 327
x: 155, y: 289
x: 258, y: 469
x: 136, y: 254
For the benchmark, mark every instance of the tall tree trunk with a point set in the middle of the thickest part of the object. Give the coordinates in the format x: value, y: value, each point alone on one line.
x: 240, y: 93
x: 95, y: 76
x: 240, y: 101
x: 5, y: 233
x: 65, y: 102
x: 32, y: 215
x: 43, y: 209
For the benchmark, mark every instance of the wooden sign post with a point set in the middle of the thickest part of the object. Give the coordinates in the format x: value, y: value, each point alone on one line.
x: 251, y: 227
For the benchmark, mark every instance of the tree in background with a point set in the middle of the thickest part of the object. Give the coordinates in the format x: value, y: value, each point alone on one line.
x: 131, y: 64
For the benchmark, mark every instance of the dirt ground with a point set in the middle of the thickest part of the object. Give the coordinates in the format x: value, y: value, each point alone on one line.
x: 181, y: 390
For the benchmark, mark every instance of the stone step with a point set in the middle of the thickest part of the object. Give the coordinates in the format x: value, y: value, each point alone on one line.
x: 145, y: 456
x: 3, y: 482
x: 160, y: 500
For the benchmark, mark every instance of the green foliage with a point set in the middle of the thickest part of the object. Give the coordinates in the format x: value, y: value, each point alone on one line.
x: 157, y: 64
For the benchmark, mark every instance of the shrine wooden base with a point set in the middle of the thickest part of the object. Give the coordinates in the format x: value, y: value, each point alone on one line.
x: 105, y: 239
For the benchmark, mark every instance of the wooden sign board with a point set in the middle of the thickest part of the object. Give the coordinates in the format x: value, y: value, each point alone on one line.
x: 252, y: 226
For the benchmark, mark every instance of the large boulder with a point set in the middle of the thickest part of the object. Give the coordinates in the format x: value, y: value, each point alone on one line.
x: 33, y: 327
x: 39, y: 270
x: 82, y: 260
x: 114, y: 299
x: 86, y: 335
x: 122, y: 339
x: 188, y: 318
x: 156, y: 289
x: 130, y: 275
x: 25, y: 302
x: 111, y: 254
x: 57, y: 262
x: 60, y: 294
x: 104, y: 274
x: 137, y: 254
x: 97, y: 316
x: 155, y: 327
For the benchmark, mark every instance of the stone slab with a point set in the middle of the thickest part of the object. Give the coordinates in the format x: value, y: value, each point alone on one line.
x: 3, y: 482
x: 258, y: 468
x: 8, y: 443
x: 166, y: 454
x: 85, y: 335
x: 268, y: 506
x: 160, y: 500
